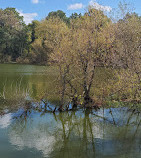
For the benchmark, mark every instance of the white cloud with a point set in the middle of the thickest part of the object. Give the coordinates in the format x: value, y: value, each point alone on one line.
x: 28, y: 17
x: 75, y: 6
x: 35, y: 1
x: 5, y: 120
x: 97, y: 6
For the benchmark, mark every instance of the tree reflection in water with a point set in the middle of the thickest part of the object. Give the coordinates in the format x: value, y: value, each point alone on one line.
x: 103, y: 133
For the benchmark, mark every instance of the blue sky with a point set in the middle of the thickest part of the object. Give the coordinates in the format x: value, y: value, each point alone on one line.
x: 39, y: 9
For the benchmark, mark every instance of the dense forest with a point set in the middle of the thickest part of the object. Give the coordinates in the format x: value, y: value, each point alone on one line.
x: 78, y: 45
x: 22, y: 43
x: 33, y: 43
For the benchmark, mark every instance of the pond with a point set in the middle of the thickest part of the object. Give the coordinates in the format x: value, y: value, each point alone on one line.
x: 105, y: 133
x: 35, y: 78
x: 33, y: 133
x: 25, y: 81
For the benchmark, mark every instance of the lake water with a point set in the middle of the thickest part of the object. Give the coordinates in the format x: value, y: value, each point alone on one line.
x: 30, y: 133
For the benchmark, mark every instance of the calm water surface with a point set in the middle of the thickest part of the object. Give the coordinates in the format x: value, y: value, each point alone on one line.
x: 36, y: 78
x: 27, y: 133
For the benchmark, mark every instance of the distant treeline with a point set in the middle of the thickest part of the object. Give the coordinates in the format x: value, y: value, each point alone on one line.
x: 18, y: 40
x: 29, y: 43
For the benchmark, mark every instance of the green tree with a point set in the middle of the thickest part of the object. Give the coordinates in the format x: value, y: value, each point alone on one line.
x: 48, y: 34
x: 60, y: 14
x: 75, y: 15
x: 14, y: 34
x: 79, y: 52
x: 32, y: 27
x: 127, y: 40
